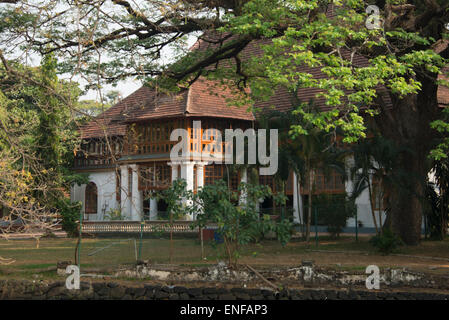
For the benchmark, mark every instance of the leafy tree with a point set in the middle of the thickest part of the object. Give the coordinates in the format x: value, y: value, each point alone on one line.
x: 37, y: 139
x: 437, y: 201
x: 387, y: 74
x: 178, y: 200
x: 304, y: 151
x: 86, y: 109
x: 237, y: 224
x: 376, y: 158
x: 113, y: 96
x: 70, y: 213
x: 334, y: 211
x: 318, y: 152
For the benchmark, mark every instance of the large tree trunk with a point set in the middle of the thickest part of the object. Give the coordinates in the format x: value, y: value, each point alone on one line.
x: 406, y: 123
x: 406, y: 209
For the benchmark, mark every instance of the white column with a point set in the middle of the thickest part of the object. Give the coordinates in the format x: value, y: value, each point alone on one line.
x: 174, y: 170
x: 187, y: 175
x: 136, y: 195
x: 153, y: 209
x: 349, y: 188
x: 200, y: 174
x: 125, y: 200
x: 244, y: 179
x: 200, y: 181
x: 297, y: 201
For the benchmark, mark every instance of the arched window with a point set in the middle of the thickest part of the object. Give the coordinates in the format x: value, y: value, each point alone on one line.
x: 91, y: 198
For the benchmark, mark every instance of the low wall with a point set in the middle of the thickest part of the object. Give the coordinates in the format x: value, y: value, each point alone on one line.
x: 42, y: 290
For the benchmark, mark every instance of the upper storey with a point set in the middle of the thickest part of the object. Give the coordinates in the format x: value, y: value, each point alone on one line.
x: 140, y: 125
x: 203, y: 99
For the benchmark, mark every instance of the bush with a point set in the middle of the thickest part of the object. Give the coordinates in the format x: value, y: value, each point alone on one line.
x: 238, y: 224
x: 70, y: 213
x: 387, y: 242
x: 334, y: 211
x: 114, y: 215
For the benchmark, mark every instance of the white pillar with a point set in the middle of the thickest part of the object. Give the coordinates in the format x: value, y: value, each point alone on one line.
x: 153, y: 209
x: 187, y: 175
x: 200, y: 181
x: 136, y: 195
x: 200, y: 174
x: 125, y: 200
x: 297, y: 201
x: 349, y: 188
x: 174, y: 170
x: 244, y: 179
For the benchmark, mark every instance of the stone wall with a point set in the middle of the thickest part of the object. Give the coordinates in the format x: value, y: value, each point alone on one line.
x: 306, y: 275
x: 42, y: 290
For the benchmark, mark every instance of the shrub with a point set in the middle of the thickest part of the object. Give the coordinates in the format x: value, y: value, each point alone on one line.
x: 334, y: 211
x: 70, y: 213
x: 387, y: 242
x: 238, y: 224
x: 114, y: 215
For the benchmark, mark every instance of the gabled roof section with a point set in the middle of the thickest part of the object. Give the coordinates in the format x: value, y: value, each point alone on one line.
x: 209, y: 99
x: 107, y: 123
x: 203, y: 99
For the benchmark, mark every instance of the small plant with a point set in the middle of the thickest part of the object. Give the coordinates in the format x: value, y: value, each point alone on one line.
x: 334, y: 211
x: 177, y: 198
x: 238, y: 222
x: 114, y: 215
x: 70, y: 213
x: 387, y: 242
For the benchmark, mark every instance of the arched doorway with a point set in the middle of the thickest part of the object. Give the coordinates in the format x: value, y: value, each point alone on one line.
x: 91, y: 199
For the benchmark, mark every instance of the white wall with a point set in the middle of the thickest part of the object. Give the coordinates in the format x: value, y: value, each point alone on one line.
x: 105, y: 182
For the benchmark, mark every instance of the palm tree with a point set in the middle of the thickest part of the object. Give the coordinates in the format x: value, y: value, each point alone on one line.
x: 438, y: 196
x: 375, y: 158
x: 288, y: 159
x: 303, y: 153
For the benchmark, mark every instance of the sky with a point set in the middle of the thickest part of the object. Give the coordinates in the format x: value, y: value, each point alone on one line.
x: 130, y: 85
x: 124, y: 87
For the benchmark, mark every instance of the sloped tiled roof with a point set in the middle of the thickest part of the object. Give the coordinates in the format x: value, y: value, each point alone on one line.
x: 203, y: 98
x: 443, y: 91
x: 109, y: 121
x: 208, y: 99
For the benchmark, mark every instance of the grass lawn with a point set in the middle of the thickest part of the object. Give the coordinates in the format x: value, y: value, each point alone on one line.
x: 107, y: 254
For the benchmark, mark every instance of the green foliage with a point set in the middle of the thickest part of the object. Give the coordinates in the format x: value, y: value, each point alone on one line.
x: 436, y: 209
x: 37, y: 139
x: 387, y: 242
x: 174, y: 196
x: 70, y: 213
x: 238, y: 224
x: 333, y: 210
x: 114, y: 215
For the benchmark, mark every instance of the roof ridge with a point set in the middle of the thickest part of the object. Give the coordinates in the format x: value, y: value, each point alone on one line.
x: 188, y: 100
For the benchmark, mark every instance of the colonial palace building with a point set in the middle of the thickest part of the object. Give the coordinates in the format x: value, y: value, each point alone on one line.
x: 126, y: 151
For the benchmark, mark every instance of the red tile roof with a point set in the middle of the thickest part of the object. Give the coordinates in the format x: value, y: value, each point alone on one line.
x: 203, y: 99
x: 107, y: 122
x: 443, y: 91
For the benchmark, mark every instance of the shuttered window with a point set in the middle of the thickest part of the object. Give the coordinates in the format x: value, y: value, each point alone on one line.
x: 91, y: 198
